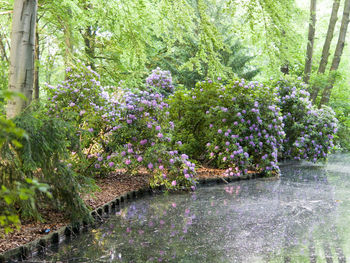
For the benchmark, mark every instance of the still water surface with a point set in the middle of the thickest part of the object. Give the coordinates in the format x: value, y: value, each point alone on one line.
x: 303, y: 217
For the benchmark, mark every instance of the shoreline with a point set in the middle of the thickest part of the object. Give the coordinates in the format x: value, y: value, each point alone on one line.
x: 116, y: 190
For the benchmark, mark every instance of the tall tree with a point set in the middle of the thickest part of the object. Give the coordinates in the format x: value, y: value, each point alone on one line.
x: 36, y: 64
x: 326, y: 46
x: 338, y: 52
x: 22, y: 54
x: 310, y: 43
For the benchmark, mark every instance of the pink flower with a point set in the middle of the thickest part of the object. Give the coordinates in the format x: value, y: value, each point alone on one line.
x: 173, y: 183
x: 111, y: 164
x: 161, y: 167
x: 139, y: 159
x: 150, y: 166
x: 127, y: 162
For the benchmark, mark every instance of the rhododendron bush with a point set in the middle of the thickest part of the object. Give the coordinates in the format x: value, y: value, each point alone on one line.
x: 241, y: 128
x: 160, y: 81
x: 119, y: 129
x: 310, y: 131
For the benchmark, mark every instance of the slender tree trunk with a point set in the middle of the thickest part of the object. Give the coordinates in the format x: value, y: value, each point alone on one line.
x: 68, y: 37
x: 89, y: 39
x: 36, y: 68
x: 338, y: 52
x: 3, y: 48
x: 22, y: 54
x: 68, y: 45
x: 310, y: 43
x: 326, y: 46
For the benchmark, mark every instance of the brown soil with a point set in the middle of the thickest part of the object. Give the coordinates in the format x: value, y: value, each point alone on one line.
x: 111, y: 186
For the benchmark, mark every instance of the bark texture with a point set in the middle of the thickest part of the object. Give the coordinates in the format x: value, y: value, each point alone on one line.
x: 90, y: 41
x: 36, y: 64
x: 310, y: 43
x: 22, y: 54
x: 326, y: 46
x: 338, y: 52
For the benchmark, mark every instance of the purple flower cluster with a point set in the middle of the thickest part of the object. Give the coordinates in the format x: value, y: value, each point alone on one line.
x: 245, y: 126
x: 145, y: 140
x: 161, y: 81
x: 309, y: 131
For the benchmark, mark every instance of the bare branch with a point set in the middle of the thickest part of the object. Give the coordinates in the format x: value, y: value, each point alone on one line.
x: 6, y: 12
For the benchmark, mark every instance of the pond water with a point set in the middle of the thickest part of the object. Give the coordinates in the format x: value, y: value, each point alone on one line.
x: 303, y: 217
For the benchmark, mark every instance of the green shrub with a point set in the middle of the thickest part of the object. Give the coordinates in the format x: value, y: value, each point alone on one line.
x: 44, y: 156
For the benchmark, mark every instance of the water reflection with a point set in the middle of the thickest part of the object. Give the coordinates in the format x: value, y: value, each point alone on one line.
x: 303, y: 217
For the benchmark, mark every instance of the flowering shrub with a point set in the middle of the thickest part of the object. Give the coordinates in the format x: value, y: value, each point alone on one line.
x: 160, y: 81
x: 142, y: 139
x: 240, y: 125
x: 83, y: 102
x: 309, y: 131
x: 80, y: 98
x: 120, y: 129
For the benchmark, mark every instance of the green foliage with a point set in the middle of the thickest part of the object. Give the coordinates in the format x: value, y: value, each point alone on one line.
x: 236, y: 57
x: 340, y: 102
x: 42, y: 157
x: 273, y: 27
x: 10, y: 198
x: 190, y: 119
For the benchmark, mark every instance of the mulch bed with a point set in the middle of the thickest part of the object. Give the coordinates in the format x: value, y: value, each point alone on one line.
x: 111, y: 186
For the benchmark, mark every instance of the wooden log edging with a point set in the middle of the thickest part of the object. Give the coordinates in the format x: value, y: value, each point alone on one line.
x: 54, y: 239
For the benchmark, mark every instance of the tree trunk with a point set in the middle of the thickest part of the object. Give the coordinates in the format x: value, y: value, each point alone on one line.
x: 3, y: 48
x: 37, y: 64
x: 22, y: 54
x: 68, y: 45
x: 338, y: 52
x: 310, y: 43
x: 90, y: 39
x: 326, y: 46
